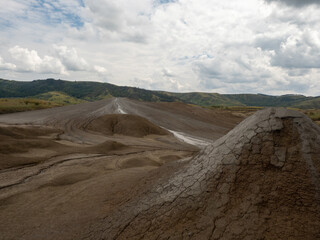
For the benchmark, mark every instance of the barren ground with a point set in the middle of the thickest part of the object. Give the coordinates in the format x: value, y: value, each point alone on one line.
x: 65, y: 168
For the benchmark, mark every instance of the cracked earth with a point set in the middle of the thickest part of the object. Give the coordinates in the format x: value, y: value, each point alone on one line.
x: 82, y: 173
x: 260, y: 181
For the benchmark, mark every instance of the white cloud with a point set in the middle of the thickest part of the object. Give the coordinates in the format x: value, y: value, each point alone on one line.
x: 106, y: 14
x: 301, y: 50
x: 186, y: 45
x: 122, y: 20
x: 99, y: 69
x: 70, y: 59
x: 65, y: 60
x: 6, y: 66
x: 30, y: 61
x: 13, y: 8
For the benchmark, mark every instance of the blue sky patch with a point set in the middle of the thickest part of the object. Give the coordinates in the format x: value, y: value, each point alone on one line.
x: 166, y: 1
x: 160, y: 2
x: 53, y: 13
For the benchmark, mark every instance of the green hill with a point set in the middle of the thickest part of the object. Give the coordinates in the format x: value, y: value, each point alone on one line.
x: 89, y: 91
x: 262, y: 100
x: 59, y: 98
x: 66, y: 92
x: 207, y: 99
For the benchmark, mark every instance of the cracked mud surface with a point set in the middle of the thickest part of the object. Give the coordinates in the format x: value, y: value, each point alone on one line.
x: 62, y: 170
x: 62, y: 178
x: 260, y: 181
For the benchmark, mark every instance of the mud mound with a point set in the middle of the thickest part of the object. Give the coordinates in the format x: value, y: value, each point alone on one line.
x: 260, y: 181
x: 124, y: 124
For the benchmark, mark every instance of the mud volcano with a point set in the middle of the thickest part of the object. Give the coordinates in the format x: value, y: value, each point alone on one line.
x: 260, y: 181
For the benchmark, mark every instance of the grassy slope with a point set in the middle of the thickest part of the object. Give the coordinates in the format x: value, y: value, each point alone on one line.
x: 310, y: 103
x: 41, y: 101
x: 206, y: 99
x: 253, y: 100
x: 10, y: 105
x: 59, y: 98
x: 74, y: 92
x: 89, y: 91
x: 261, y: 100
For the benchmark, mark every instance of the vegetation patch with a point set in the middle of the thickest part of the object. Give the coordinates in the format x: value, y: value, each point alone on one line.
x: 59, y: 98
x: 10, y: 105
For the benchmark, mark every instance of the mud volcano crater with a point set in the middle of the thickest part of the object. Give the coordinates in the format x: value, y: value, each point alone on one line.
x: 260, y: 181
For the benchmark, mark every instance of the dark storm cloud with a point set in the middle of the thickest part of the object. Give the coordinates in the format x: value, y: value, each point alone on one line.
x: 296, y: 3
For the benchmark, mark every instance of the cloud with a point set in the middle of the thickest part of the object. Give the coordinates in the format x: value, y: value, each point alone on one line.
x: 106, y: 14
x: 6, y: 66
x: 30, y: 61
x: 120, y: 20
x: 50, y: 13
x: 301, y: 50
x: 296, y: 3
x: 245, y: 67
x: 99, y: 69
x: 269, y: 43
x: 70, y: 59
x: 167, y: 72
x: 185, y: 45
x: 65, y: 60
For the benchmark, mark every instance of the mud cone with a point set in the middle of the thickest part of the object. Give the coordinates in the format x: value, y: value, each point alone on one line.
x: 260, y: 181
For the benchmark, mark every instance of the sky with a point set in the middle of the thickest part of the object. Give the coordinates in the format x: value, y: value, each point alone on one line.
x: 253, y: 46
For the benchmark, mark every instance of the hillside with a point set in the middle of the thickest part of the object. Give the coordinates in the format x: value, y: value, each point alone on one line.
x: 207, y: 99
x: 257, y: 100
x: 67, y: 92
x: 58, y: 97
x: 89, y: 91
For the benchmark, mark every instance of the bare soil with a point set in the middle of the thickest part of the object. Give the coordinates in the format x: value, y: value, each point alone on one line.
x: 124, y: 124
x: 260, y: 181
x: 122, y: 169
x: 64, y: 169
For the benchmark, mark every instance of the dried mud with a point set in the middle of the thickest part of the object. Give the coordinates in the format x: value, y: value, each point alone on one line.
x: 87, y: 172
x: 260, y: 181
x: 63, y: 169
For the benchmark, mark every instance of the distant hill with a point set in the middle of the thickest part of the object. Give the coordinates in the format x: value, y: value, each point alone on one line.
x: 67, y: 92
x: 250, y: 100
x: 207, y: 99
x: 89, y: 91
